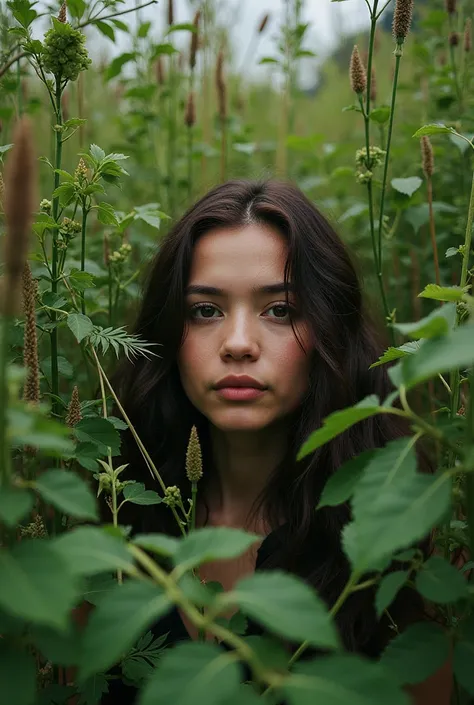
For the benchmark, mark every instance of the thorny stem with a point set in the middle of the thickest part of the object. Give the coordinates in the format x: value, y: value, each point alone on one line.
x: 143, y: 450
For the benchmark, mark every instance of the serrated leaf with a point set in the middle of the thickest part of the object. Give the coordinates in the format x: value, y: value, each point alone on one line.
x: 157, y: 543
x: 212, y: 543
x: 418, y: 652
x: 68, y: 492
x: 395, y: 353
x: 388, y: 589
x: 15, y: 504
x: 407, y: 186
x: 99, y: 431
x: 433, y: 129
x: 442, y: 293
x: 137, y: 494
x: 80, y: 325
x: 340, y: 486
x: 106, y: 214
x: 437, y: 323
x: 90, y: 550
x: 439, y: 581
x: 17, y: 675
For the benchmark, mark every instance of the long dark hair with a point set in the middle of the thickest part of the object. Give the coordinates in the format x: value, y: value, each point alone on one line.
x: 347, y: 342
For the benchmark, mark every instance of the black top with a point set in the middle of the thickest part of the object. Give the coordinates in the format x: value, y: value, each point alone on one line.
x: 172, y: 625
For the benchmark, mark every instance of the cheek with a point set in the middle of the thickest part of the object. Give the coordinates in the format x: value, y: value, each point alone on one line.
x: 192, y: 357
x: 293, y: 365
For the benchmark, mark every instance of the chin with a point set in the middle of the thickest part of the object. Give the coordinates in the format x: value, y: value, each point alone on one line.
x: 240, y: 420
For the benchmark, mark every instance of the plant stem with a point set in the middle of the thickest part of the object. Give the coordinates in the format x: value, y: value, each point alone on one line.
x: 91, y: 20
x: 433, y: 231
x: 190, y: 163
x: 470, y: 475
x: 5, y: 462
x: 193, y: 508
x: 54, y: 259
x: 85, y: 213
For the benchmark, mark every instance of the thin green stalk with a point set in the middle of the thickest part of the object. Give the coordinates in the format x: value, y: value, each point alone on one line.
x: 470, y: 475
x: 5, y: 460
x: 85, y: 213
x: 193, y: 508
x: 190, y: 163
x: 54, y: 258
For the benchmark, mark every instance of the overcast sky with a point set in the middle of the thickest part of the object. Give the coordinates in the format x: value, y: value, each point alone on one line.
x: 328, y: 20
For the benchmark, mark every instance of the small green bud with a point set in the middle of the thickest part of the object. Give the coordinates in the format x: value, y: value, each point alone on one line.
x: 172, y: 496
x: 45, y: 206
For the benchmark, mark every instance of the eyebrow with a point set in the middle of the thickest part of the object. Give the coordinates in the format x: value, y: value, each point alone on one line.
x: 214, y: 291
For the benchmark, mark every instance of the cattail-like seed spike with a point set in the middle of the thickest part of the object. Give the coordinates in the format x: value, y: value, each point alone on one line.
x: 193, y: 457
x: 170, y: 12
x: 468, y: 35
x: 19, y: 205
x: 190, y: 112
x: 402, y: 18
x: 427, y: 156
x: 74, y: 408
x: 263, y: 23
x: 194, y: 40
x: 357, y: 72
x: 62, y: 16
x: 31, y: 390
x: 451, y: 6
x: 453, y: 39
x: 221, y: 86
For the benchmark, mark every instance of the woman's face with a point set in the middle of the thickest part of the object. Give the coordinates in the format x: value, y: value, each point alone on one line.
x: 238, y: 326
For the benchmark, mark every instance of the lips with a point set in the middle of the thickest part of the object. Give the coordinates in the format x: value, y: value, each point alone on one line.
x: 239, y: 381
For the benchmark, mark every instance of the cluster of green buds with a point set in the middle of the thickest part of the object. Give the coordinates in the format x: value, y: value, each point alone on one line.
x: 105, y: 484
x: 45, y: 206
x: 120, y: 255
x: 172, y: 496
x: 64, y: 54
x: 366, y: 165
x: 69, y: 229
x: 35, y: 530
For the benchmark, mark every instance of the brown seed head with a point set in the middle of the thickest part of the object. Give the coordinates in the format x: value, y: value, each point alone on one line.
x: 190, y: 112
x: 193, y: 457
x: 160, y: 71
x: 402, y: 18
x: 373, y: 85
x: 468, y: 35
x: 451, y: 6
x: 74, y: 408
x: 453, y: 39
x: 62, y: 16
x: 31, y: 390
x: 170, y: 12
x: 194, y: 41
x: 221, y: 86
x: 427, y: 156
x: 357, y: 72
x: 19, y: 205
x: 263, y: 23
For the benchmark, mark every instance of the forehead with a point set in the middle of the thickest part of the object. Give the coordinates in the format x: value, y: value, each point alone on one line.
x: 237, y: 255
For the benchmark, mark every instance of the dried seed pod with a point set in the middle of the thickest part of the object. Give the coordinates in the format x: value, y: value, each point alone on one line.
x: 468, y: 35
x: 357, y: 72
x: 427, y: 156
x: 193, y: 457
x: 194, y: 41
x: 170, y: 12
x: 190, y: 112
x: 62, y: 16
x: 263, y: 23
x: 31, y: 390
x: 402, y: 18
x: 451, y: 6
x: 19, y: 206
x: 74, y: 408
x: 221, y: 85
x: 453, y: 39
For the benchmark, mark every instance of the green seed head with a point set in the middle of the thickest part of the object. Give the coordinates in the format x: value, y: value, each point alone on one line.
x: 65, y: 55
x: 172, y: 496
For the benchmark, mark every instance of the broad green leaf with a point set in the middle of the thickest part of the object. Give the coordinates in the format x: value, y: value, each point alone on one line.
x: 340, y: 486
x: 380, y: 115
x: 442, y: 293
x: 286, y: 606
x: 184, y: 26
x: 418, y: 652
x: 339, y: 421
x: 80, y: 280
x: 99, y: 431
x: 210, y: 544
x: 80, y: 325
x: 37, y: 583
x: 407, y: 186
x: 433, y: 129
x: 65, y: 193
x: 343, y: 680
x: 61, y: 648
x: 97, y: 153
x: 90, y: 550
x: 15, y: 504
x: 117, y: 622
x: 68, y: 492
x: 137, y: 494
x: 388, y: 589
x: 441, y: 582
x: 464, y: 655
x: 17, y: 675
x: 193, y: 673
x: 395, y: 353
x: 106, y: 214
x: 452, y: 252
x: 105, y: 29
x: 437, y: 323
x: 439, y: 355
x: 90, y: 692
x: 160, y: 49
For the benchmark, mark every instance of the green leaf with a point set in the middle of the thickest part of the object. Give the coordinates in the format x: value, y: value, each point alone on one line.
x: 407, y: 186
x: 395, y: 353
x: 37, y: 583
x: 452, y: 252
x: 106, y: 214
x: 117, y: 64
x: 185, y: 26
x: 437, y: 323
x: 76, y: 8
x: 120, y: 25
x: 388, y: 589
x: 99, y: 431
x: 418, y: 652
x: 342, y: 680
x: 106, y: 638
x: 64, y: 174
x: 65, y: 193
x: 15, y: 504
x: 340, y: 486
x: 193, y: 673
x: 143, y: 29
x: 67, y: 492
x: 433, y: 129
x: 286, y: 606
x: 80, y: 281
x: 268, y: 60
x: 380, y: 115
x: 212, y: 543
x: 441, y: 582
x: 160, y: 49
x: 90, y: 550
x: 17, y: 675
x: 442, y: 293
x: 80, y: 325
x: 105, y: 29
x: 97, y: 153
x: 137, y: 494
x: 65, y: 368
x: 61, y: 648
x: 157, y: 543
x: 339, y: 421
x: 90, y: 692
x: 464, y: 655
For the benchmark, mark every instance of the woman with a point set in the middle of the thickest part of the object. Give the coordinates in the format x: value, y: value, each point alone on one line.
x: 257, y: 309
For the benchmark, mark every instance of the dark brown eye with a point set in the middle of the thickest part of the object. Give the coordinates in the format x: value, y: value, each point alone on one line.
x: 280, y: 311
x: 203, y: 311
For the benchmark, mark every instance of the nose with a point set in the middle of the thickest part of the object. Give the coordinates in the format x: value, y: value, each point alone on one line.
x: 240, y: 338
